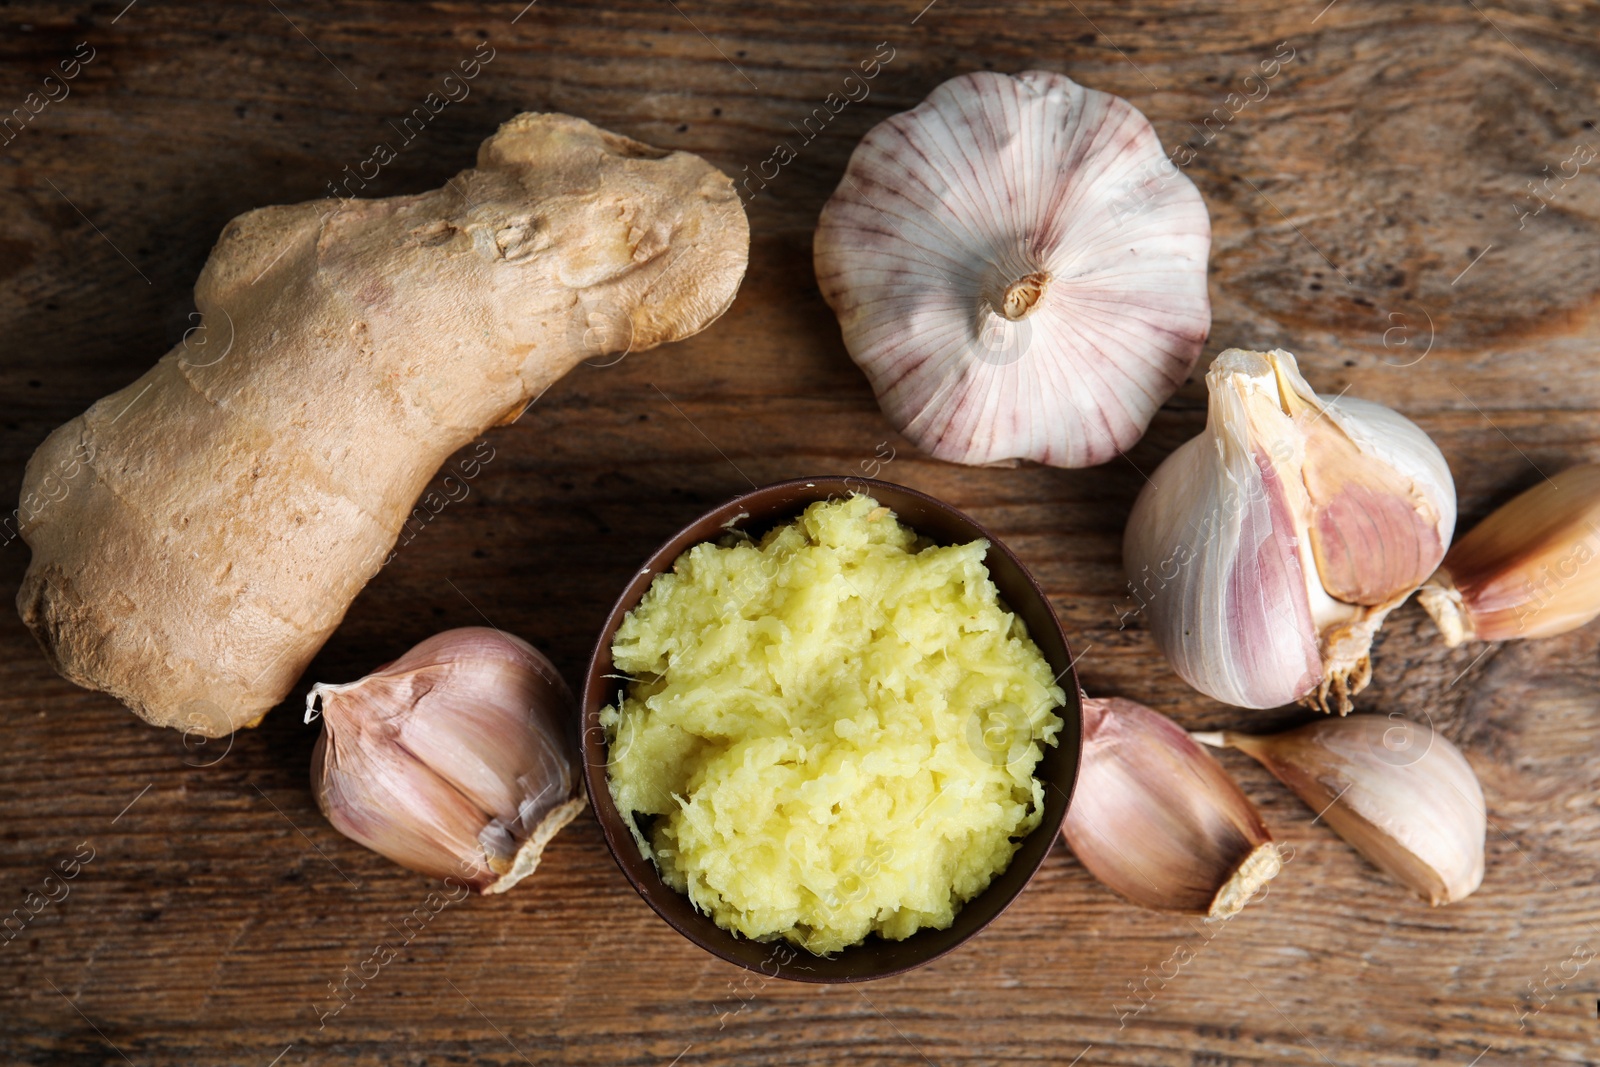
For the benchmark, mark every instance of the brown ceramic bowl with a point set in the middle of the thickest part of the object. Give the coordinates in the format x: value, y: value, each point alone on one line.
x: 757, y: 512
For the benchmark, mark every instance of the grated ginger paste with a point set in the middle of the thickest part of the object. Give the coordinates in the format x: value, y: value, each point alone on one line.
x: 835, y: 729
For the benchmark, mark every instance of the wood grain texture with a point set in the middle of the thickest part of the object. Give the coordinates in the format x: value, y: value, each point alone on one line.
x: 1366, y: 215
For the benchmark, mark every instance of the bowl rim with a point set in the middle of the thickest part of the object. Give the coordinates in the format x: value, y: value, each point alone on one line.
x: 599, y: 683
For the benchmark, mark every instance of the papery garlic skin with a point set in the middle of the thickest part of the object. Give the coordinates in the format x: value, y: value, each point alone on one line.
x: 1531, y: 569
x: 1268, y: 550
x: 453, y: 760
x: 1398, y: 791
x: 1155, y: 818
x: 1019, y: 270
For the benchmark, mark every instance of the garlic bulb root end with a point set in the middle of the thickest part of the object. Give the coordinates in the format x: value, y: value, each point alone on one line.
x: 1259, y: 868
x: 1338, y: 685
x: 1024, y: 294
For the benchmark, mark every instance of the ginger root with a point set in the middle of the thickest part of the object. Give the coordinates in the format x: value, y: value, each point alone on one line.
x: 222, y: 512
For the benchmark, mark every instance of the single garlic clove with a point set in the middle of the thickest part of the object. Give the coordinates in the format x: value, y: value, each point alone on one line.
x: 1019, y: 270
x: 1398, y: 791
x: 1154, y: 817
x: 1525, y: 571
x: 1373, y: 534
x: 1268, y: 550
x: 452, y: 760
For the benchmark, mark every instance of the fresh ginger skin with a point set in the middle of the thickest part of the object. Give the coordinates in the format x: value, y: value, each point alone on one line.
x: 235, y: 498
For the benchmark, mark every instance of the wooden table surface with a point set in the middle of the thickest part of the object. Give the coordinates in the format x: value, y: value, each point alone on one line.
x: 1372, y: 213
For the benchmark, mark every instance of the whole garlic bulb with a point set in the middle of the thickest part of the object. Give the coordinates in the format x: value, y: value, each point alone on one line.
x: 1268, y: 550
x: 1019, y: 270
x: 453, y: 760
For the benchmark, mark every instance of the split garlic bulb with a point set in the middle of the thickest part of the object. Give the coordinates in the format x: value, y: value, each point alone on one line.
x: 1268, y: 550
x: 453, y: 760
x: 1019, y: 270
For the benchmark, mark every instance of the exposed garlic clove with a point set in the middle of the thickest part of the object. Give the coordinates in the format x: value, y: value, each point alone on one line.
x: 1158, y: 820
x: 453, y: 760
x: 1525, y: 570
x: 1268, y: 550
x: 1398, y: 791
x: 1019, y: 269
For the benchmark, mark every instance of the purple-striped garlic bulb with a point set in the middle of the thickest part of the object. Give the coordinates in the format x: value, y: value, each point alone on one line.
x: 1019, y: 269
x: 1268, y: 550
